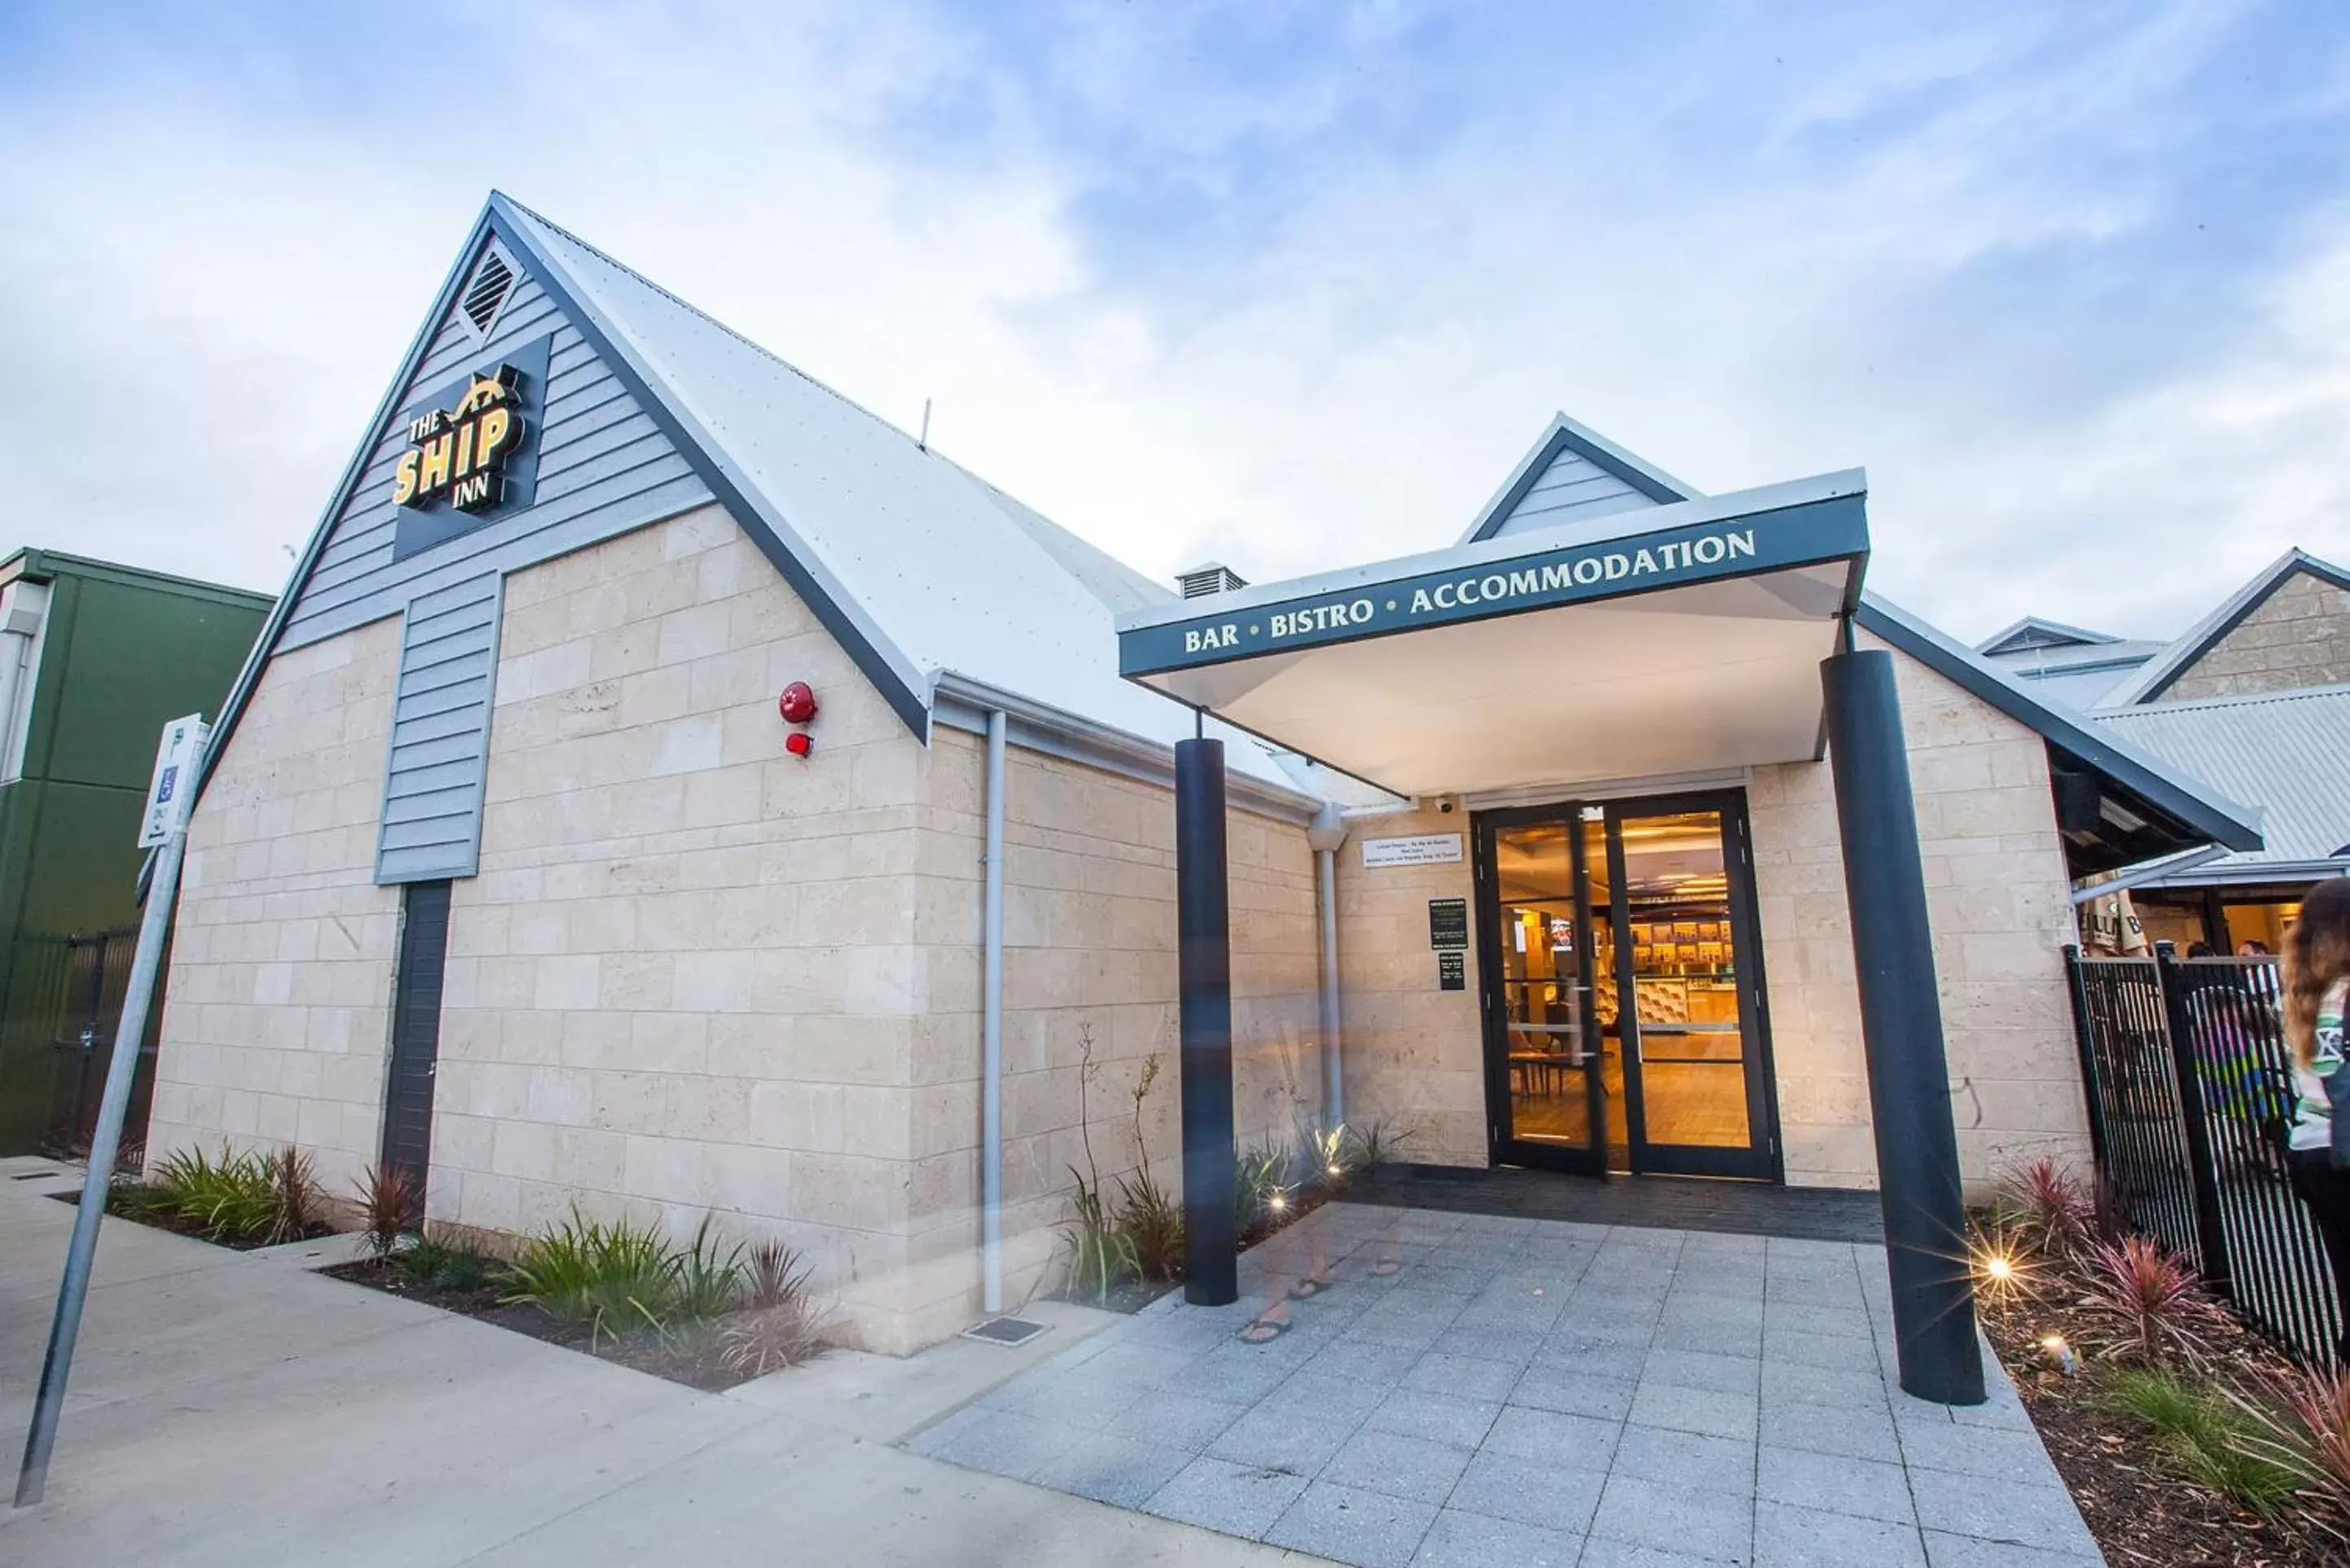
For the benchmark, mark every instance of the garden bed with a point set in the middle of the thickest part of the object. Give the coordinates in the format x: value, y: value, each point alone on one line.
x: 130, y: 1206
x: 2139, y: 1507
x: 698, y: 1363
x: 2171, y: 1422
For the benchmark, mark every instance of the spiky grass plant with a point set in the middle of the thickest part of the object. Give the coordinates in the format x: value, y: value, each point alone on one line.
x: 260, y: 1199
x: 2146, y: 1306
x: 616, y: 1278
x: 705, y: 1281
x: 2308, y: 1432
x: 387, y: 1205
x: 1096, y: 1256
x: 2211, y: 1435
x: 1377, y: 1142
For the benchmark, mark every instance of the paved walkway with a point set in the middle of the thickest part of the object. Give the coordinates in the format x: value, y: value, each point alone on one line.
x: 1535, y: 1393
x: 233, y: 1408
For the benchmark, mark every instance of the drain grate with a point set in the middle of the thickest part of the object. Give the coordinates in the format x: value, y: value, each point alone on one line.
x: 37, y: 1175
x: 1007, y: 1331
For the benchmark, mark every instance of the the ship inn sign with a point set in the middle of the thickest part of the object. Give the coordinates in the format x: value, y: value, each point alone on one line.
x: 1827, y: 530
x: 460, y: 452
x: 469, y: 450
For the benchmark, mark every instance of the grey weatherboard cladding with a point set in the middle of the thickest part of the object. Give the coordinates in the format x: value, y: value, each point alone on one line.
x: 605, y: 467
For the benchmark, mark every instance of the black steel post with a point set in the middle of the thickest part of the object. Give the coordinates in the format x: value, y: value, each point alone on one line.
x: 2202, y: 1170
x: 1901, y: 1033
x: 1204, y: 958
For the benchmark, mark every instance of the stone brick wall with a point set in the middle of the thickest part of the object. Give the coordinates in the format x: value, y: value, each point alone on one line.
x: 1998, y: 897
x: 1089, y: 974
x: 1415, y: 1054
x: 687, y: 979
x: 276, y: 1012
x: 2300, y: 636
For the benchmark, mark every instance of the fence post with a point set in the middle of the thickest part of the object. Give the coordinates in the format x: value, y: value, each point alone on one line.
x: 2203, y: 1171
x: 2093, y: 1085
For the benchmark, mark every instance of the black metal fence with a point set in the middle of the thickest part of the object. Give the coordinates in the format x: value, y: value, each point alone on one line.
x: 2189, y: 1084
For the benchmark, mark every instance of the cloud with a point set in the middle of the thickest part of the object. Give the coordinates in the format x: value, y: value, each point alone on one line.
x: 1286, y: 285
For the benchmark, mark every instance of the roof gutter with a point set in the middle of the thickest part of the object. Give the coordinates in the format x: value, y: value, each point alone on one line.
x: 960, y: 702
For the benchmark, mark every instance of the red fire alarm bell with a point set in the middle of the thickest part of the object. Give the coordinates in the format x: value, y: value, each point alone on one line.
x: 799, y: 743
x: 797, y: 704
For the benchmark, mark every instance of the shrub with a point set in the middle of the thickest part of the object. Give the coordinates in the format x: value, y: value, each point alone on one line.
x: 2148, y: 1306
x: 1376, y: 1143
x: 1098, y: 1256
x: 2310, y: 1436
x: 1150, y: 1223
x: 1260, y: 1190
x: 2050, y: 1209
x: 705, y: 1282
x: 773, y: 1273
x: 440, y: 1266
x: 291, y: 1210
x: 2210, y: 1437
x: 263, y: 1199
x: 616, y: 1278
x: 386, y: 1200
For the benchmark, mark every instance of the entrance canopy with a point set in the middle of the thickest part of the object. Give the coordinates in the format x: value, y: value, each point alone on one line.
x: 1675, y: 640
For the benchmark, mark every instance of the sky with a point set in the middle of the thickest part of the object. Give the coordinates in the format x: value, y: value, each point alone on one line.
x: 1288, y: 285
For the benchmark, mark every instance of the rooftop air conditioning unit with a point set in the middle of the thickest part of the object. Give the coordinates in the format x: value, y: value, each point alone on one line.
x: 1214, y: 578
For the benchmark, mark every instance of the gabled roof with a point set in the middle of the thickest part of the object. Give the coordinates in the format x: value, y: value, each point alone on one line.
x: 2284, y: 750
x: 920, y: 570
x: 2159, y: 673
x: 1650, y: 484
x: 2033, y: 632
x: 2148, y: 785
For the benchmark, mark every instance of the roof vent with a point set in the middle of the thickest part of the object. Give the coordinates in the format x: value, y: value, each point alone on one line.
x: 1214, y: 578
x: 485, y: 296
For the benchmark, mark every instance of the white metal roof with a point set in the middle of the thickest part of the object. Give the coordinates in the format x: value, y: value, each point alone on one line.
x: 940, y: 571
x: 2287, y: 752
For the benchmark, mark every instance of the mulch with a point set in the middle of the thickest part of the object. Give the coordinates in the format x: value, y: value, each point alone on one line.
x: 645, y: 1353
x: 2141, y: 1512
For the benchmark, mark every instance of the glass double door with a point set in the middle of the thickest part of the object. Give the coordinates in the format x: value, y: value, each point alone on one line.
x: 1622, y: 998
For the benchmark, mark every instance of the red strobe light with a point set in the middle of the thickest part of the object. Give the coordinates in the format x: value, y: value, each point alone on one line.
x: 797, y: 704
x: 799, y: 743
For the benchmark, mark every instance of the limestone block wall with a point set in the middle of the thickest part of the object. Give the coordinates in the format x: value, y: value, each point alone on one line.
x: 276, y: 1012
x: 2300, y: 636
x: 1090, y: 974
x: 1415, y: 1054
x: 1998, y: 897
x: 686, y: 980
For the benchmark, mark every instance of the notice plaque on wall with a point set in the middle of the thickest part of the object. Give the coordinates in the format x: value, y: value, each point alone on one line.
x: 1452, y: 970
x: 1447, y: 922
x: 1421, y: 849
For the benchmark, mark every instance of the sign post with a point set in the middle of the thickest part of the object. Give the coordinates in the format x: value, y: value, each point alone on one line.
x: 164, y: 826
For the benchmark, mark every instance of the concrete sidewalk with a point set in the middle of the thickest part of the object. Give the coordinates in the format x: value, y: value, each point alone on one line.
x: 235, y: 1408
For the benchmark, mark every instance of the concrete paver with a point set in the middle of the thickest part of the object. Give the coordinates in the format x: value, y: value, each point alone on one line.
x: 1520, y: 1390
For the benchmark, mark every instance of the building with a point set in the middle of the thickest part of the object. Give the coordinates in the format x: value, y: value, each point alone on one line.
x: 2254, y: 700
x: 95, y: 658
x: 508, y: 869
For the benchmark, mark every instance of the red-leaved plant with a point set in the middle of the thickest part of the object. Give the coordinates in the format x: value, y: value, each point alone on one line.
x: 2146, y: 1305
x: 2052, y: 1211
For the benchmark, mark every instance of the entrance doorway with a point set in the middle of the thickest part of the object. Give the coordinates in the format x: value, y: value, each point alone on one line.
x: 1625, y: 1027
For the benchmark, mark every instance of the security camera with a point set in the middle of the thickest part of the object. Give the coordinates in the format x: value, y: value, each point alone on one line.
x: 1447, y: 804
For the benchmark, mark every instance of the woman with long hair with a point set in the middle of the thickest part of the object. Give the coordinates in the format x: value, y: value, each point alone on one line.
x: 2316, y: 996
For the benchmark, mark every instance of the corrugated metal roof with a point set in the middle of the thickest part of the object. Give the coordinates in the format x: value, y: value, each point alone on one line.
x: 2286, y: 752
x: 943, y: 572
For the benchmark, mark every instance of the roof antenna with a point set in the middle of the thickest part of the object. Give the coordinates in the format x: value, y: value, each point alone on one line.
x: 924, y: 442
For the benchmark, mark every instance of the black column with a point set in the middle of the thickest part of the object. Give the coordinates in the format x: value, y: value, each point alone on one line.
x: 1901, y: 1028
x: 1204, y: 933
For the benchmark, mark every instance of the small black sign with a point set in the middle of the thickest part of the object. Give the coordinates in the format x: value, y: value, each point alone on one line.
x: 1447, y: 922
x: 1452, y: 970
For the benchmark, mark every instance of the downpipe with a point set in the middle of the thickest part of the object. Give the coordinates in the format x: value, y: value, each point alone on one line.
x: 991, y: 1033
x: 1325, y: 835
